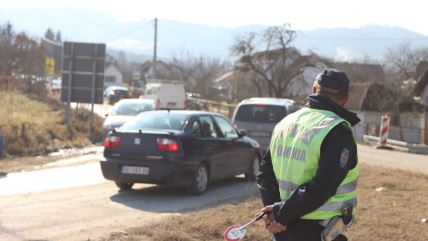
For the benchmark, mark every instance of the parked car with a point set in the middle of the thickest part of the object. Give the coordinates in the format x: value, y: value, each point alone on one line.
x: 167, y: 95
x: 115, y: 93
x: 124, y: 110
x: 186, y: 148
x: 258, y: 116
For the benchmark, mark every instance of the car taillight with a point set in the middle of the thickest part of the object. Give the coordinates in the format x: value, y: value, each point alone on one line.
x: 185, y: 104
x: 112, y: 142
x: 235, y: 125
x: 158, y: 103
x: 166, y: 144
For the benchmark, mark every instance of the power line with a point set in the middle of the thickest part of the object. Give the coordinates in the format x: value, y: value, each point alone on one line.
x: 86, y: 18
x: 97, y: 24
x: 129, y: 32
x: 365, y: 39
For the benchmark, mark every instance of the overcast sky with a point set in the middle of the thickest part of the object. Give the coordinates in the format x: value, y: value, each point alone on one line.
x: 301, y: 14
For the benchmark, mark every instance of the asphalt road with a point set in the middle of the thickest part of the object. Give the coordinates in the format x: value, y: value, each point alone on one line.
x: 70, y: 200
x: 74, y: 202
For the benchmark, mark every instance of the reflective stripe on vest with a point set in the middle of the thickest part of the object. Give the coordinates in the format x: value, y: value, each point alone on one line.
x: 290, y: 187
x: 295, y: 150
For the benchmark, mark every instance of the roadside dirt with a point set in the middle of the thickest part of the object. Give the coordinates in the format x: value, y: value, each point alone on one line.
x: 29, y: 163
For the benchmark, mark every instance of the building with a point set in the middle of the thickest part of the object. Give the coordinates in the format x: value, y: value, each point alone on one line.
x: 372, y: 100
x: 361, y: 72
x: 112, y: 76
x: 421, y: 94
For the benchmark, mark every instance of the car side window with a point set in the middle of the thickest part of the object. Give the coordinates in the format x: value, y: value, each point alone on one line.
x: 196, y: 129
x: 207, y: 127
x: 226, y: 127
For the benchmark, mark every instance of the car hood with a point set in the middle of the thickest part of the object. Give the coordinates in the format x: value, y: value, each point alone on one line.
x: 113, y: 121
x: 253, y: 142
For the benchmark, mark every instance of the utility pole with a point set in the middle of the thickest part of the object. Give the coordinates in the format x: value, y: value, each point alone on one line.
x: 155, y: 49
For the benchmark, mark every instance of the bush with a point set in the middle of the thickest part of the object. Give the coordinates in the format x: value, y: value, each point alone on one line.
x: 32, y: 127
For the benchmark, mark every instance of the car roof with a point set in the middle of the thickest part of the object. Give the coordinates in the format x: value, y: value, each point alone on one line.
x: 117, y: 87
x: 267, y: 101
x: 188, y: 112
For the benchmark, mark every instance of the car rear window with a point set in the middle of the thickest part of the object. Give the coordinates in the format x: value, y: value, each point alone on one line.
x: 157, y: 120
x: 260, y: 113
x: 131, y: 108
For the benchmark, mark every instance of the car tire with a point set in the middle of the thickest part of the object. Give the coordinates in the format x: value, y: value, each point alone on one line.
x: 124, y: 186
x: 200, y: 181
x: 253, y: 169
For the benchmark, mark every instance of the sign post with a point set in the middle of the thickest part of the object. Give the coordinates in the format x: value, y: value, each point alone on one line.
x: 83, y: 67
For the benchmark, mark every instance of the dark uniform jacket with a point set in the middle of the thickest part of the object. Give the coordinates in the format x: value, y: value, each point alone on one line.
x: 328, y: 177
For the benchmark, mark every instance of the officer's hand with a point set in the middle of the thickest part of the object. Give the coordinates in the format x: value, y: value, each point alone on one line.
x: 270, y: 224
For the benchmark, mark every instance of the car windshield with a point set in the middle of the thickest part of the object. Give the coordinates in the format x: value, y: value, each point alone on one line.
x: 131, y: 108
x: 260, y: 113
x: 157, y: 120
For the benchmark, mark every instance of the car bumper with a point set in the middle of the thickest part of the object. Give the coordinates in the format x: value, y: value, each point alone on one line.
x: 160, y: 172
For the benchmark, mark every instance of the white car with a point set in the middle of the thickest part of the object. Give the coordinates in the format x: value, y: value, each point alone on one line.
x: 125, y: 110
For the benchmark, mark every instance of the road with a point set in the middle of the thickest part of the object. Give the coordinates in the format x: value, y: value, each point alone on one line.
x: 393, y: 159
x: 70, y: 200
x: 74, y: 202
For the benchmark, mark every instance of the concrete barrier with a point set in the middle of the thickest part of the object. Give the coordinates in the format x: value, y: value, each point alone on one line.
x: 399, y: 145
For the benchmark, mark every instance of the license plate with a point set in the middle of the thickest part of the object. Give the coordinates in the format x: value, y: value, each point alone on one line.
x: 135, y: 170
x: 260, y: 133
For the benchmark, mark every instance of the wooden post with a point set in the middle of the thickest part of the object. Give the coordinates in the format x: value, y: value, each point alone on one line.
x: 424, y: 128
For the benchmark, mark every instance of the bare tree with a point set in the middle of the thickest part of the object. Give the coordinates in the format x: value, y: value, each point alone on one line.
x: 6, y: 50
x: 403, y: 59
x: 49, y: 34
x: 197, y: 71
x: 21, y: 59
x: 273, y: 59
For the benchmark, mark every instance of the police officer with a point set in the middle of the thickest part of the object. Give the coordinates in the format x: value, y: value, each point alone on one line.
x: 309, y: 174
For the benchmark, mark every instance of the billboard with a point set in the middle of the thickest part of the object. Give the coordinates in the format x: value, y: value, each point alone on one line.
x: 83, y: 67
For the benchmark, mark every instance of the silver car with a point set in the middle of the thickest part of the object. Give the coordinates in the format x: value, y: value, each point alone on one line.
x: 258, y: 117
x: 125, y: 110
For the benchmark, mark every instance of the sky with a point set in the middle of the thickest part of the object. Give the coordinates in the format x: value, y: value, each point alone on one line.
x: 301, y: 14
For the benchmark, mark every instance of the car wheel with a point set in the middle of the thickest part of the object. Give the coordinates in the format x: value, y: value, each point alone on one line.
x: 124, y: 186
x: 200, y: 181
x: 253, y: 169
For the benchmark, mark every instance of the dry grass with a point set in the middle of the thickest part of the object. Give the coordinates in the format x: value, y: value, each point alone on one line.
x: 391, y: 215
x: 33, y: 127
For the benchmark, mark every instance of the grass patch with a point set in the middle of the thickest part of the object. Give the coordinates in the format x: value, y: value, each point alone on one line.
x: 392, y: 214
x: 33, y: 127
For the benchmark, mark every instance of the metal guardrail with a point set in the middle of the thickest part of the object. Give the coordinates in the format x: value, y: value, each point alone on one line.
x: 399, y: 145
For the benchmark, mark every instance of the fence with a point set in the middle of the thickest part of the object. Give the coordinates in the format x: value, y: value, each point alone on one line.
x: 404, y: 133
x: 219, y: 107
x: 399, y: 145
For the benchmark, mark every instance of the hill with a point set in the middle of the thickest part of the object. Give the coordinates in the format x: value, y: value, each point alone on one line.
x: 136, y: 38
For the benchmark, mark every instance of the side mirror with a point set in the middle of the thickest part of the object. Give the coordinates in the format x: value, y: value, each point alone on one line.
x: 242, y: 132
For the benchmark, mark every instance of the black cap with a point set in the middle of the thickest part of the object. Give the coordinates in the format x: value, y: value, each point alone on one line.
x: 334, y: 79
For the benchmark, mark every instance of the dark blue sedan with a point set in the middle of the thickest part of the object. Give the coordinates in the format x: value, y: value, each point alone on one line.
x: 187, y: 148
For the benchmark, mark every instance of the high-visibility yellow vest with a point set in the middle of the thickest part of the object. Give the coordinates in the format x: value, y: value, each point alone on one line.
x: 295, y: 150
